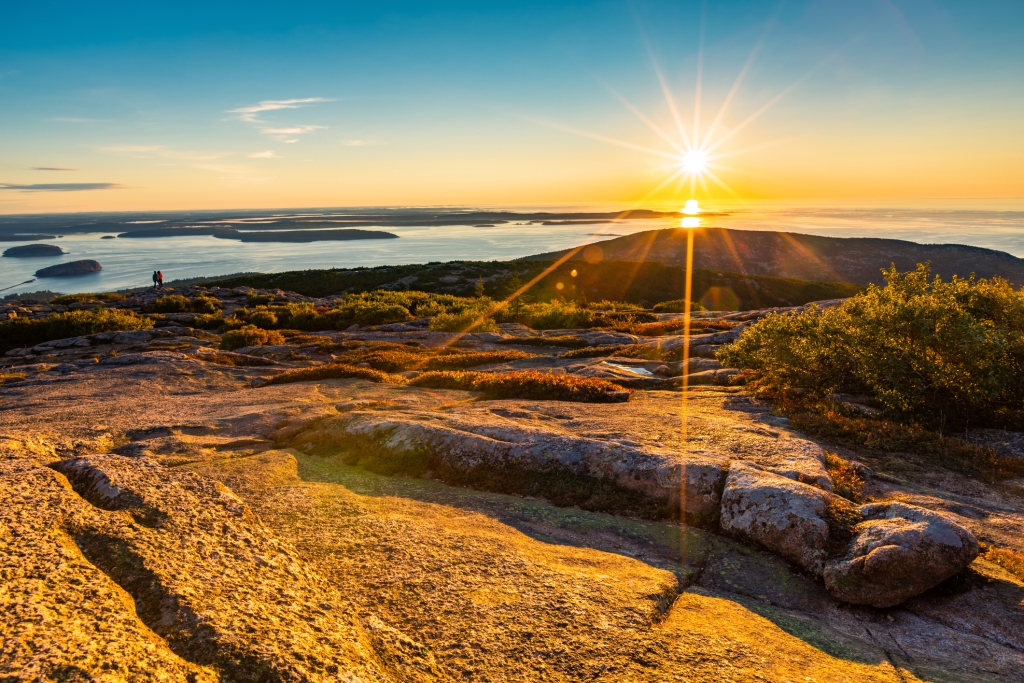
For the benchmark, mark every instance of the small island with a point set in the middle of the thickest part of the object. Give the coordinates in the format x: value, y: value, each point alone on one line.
x: 70, y: 269
x: 34, y: 250
x: 26, y: 238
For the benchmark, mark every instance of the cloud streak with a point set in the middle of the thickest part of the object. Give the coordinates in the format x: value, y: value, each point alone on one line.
x: 269, y: 154
x: 51, y: 168
x: 61, y: 187
x: 287, y: 134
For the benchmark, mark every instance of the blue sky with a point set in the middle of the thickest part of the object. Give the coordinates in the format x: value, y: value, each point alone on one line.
x: 180, y: 105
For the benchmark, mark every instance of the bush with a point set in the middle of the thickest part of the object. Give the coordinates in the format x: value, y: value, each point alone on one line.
x: 262, y: 317
x: 65, y: 299
x: 526, y: 384
x: 677, y: 306
x: 473, y: 320
x: 250, y: 335
x: 1009, y: 560
x: 947, y: 354
x: 172, y: 303
x: 205, y: 305
x: 29, y: 332
x: 208, y: 321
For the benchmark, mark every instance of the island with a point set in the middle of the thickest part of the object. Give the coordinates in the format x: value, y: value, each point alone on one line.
x: 70, y: 269
x: 34, y: 250
x: 264, y: 235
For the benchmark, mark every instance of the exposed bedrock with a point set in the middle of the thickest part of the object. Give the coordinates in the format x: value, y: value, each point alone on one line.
x: 173, y: 579
x: 781, y: 503
x: 785, y: 516
x: 897, y: 552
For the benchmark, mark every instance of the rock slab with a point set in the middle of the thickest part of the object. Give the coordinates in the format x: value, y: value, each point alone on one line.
x: 785, y: 516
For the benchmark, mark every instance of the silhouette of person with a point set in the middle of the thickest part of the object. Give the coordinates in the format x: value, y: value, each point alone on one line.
x: 155, y: 280
x: 159, y: 280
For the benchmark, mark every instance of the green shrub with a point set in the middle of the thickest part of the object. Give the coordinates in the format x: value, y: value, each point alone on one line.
x: 942, y: 353
x: 208, y: 321
x: 263, y: 318
x: 249, y: 335
x: 526, y: 384
x: 172, y: 303
x: 65, y: 299
x: 676, y: 306
x: 472, y: 320
x: 254, y: 299
x: 205, y: 304
x: 29, y: 332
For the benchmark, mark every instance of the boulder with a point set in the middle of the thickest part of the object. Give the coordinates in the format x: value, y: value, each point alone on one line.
x: 785, y: 516
x: 897, y: 552
x: 34, y: 250
x: 70, y: 269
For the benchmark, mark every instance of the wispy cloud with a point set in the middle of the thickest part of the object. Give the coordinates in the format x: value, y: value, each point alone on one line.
x: 251, y: 113
x: 269, y: 154
x: 61, y: 187
x: 51, y: 168
x: 159, y: 151
x: 286, y: 134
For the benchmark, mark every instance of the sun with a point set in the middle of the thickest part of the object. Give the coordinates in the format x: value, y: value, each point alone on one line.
x: 694, y: 162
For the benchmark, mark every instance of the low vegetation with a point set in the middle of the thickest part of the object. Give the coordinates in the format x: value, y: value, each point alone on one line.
x: 1009, y: 560
x: 526, y: 384
x: 677, y: 306
x: 250, y: 335
x: 946, y: 355
x: 332, y: 371
x: 66, y: 299
x: 22, y: 332
x: 846, y: 481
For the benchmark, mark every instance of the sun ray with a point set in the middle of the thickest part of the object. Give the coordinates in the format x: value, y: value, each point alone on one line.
x: 668, y: 97
x: 640, y: 115
x: 700, y: 73
x: 735, y: 87
x: 600, y: 138
x: 722, y: 184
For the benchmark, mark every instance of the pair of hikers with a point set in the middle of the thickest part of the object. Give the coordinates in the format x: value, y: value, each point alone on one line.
x: 158, y: 280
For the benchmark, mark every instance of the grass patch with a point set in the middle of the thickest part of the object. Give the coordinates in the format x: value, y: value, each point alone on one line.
x: 65, y: 299
x: 892, y: 437
x: 473, y: 320
x: 11, y: 377
x: 676, y: 306
x: 21, y: 332
x: 846, y: 482
x: 526, y: 384
x: 564, y: 341
x: 1009, y: 560
x: 331, y: 371
x: 456, y: 361
x: 592, y: 352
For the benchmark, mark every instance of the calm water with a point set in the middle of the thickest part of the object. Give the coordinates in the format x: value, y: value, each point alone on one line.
x: 130, y: 262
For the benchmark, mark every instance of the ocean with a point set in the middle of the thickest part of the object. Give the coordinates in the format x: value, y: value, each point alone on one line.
x: 995, y: 224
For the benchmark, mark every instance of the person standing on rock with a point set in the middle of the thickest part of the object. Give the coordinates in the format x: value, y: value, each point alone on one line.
x: 159, y: 280
x: 155, y: 280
